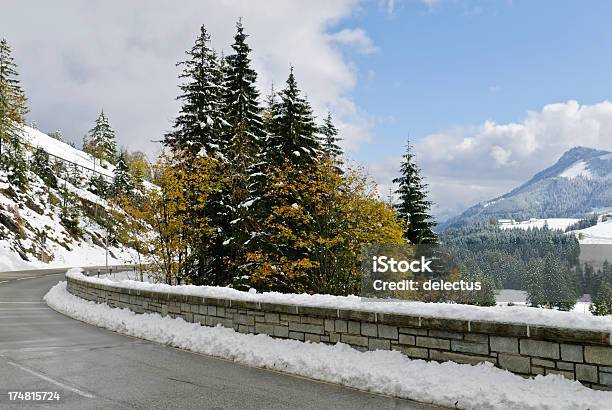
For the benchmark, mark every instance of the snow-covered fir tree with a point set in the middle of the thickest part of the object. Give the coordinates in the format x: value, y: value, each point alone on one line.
x: 199, y: 124
x: 41, y: 165
x: 100, y: 141
x: 330, y: 140
x: 242, y: 138
x: 242, y: 111
x: 413, y: 207
x: 292, y: 129
x: 122, y: 180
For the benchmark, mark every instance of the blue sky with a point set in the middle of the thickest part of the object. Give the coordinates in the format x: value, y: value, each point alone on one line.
x: 491, y: 92
x: 464, y: 62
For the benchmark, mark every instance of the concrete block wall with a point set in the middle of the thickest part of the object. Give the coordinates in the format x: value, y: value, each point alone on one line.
x: 526, y: 350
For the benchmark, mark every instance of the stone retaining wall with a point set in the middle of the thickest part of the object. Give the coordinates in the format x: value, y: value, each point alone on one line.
x: 523, y: 349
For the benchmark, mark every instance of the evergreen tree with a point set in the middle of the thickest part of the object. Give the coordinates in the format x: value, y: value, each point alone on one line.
x: 602, y: 302
x: 241, y: 142
x: 98, y: 185
x: 241, y: 104
x: 122, y: 180
x: 101, y: 140
x: 413, y: 207
x: 41, y: 166
x: 12, y: 110
x: 292, y: 129
x: 57, y: 134
x: 199, y: 125
x: 15, y: 162
x: 551, y: 283
x: 330, y: 140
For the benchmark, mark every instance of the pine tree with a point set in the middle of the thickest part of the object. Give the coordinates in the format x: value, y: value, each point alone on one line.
x: 122, y: 180
x: 550, y: 283
x: 99, y: 185
x: 330, y: 140
x: 241, y: 104
x: 41, y: 166
x: 57, y: 134
x: 200, y: 123
x: 413, y: 206
x: 100, y: 142
x: 241, y: 142
x: 602, y: 301
x: 15, y: 163
x: 292, y: 129
x: 12, y: 113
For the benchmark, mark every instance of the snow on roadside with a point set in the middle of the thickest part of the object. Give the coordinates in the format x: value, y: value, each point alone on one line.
x: 508, y: 314
x: 386, y: 372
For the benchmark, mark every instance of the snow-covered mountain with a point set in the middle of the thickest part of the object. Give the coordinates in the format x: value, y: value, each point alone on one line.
x: 580, y: 182
x: 55, y: 226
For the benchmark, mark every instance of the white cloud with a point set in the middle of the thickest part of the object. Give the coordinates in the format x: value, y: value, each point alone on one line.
x: 357, y: 38
x: 76, y: 57
x: 390, y: 6
x: 431, y: 4
x: 475, y: 163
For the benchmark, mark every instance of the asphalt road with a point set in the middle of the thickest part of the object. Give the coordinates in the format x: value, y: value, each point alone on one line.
x: 93, y: 368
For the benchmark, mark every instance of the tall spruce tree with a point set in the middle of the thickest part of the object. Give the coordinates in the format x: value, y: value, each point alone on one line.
x: 330, y: 139
x: 101, y: 140
x: 12, y: 114
x: 413, y: 206
x: 241, y: 102
x: 242, y: 138
x: 292, y: 130
x: 199, y: 124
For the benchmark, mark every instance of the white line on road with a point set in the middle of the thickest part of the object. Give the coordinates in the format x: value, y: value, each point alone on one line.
x: 50, y: 380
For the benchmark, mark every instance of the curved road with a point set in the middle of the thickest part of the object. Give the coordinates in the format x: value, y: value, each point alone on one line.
x: 93, y: 368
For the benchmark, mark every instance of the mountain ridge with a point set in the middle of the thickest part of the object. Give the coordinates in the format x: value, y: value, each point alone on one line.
x: 579, y: 182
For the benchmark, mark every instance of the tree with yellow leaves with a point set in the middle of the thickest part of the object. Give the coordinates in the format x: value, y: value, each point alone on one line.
x: 174, y: 210
x: 312, y: 238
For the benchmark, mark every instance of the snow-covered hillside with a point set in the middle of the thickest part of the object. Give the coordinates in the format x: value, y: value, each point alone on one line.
x: 597, y: 234
x: 62, y: 150
x: 578, y: 184
x: 552, y: 223
x: 62, y: 226
x: 601, y: 233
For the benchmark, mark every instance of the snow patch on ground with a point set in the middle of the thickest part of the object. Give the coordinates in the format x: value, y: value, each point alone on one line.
x: 553, y: 223
x: 578, y: 169
x: 507, y: 314
x: 597, y: 234
x: 386, y: 372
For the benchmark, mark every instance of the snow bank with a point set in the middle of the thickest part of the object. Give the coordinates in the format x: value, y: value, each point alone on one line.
x: 387, y: 372
x: 508, y: 314
x: 10, y: 260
